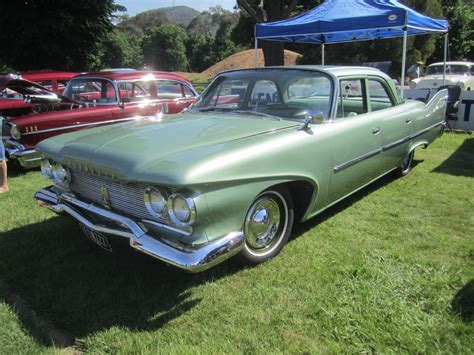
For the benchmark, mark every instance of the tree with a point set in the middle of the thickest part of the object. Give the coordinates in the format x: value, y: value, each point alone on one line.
x: 164, y: 48
x: 269, y: 11
x: 118, y: 50
x: 54, y: 34
x: 460, y: 14
x: 142, y: 22
x: 200, y: 51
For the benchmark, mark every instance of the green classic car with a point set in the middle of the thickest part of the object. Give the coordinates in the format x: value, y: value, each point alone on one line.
x: 260, y: 150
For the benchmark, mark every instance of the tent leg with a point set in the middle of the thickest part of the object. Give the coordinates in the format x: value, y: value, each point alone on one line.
x: 445, y: 57
x: 404, y: 63
x: 322, y: 54
x: 256, y: 53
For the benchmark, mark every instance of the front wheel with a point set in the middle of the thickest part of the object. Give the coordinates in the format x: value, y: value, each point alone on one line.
x: 267, y: 226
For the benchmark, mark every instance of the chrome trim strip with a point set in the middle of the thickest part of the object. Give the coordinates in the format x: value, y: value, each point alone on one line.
x: 357, y: 160
x: 410, y: 137
x: 98, y: 123
x: 197, y: 260
x: 386, y: 147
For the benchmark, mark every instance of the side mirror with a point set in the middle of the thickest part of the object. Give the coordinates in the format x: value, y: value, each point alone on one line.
x: 311, y: 117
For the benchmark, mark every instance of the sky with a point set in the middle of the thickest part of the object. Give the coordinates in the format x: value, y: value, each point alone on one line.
x: 136, y: 6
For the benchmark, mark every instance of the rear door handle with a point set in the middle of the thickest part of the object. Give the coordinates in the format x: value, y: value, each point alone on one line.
x: 375, y: 130
x: 407, y: 120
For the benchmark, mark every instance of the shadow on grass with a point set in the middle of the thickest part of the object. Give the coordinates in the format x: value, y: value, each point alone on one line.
x: 461, y: 162
x: 71, y: 282
x: 463, y: 303
x: 16, y: 170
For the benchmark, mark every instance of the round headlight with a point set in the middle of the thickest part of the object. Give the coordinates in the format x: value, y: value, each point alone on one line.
x: 15, y: 132
x: 155, y: 201
x: 46, y: 168
x: 412, y: 85
x: 60, y: 174
x: 182, y: 210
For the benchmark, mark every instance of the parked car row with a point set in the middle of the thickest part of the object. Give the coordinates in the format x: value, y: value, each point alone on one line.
x: 260, y: 150
x: 34, y: 113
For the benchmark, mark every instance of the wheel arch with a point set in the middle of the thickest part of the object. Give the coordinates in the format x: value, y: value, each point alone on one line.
x: 423, y: 144
x: 303, y: 193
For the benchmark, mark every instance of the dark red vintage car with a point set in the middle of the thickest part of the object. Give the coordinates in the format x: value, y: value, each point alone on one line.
x: 95, y: 99
x: 55, y: 81
x: 20, y: 97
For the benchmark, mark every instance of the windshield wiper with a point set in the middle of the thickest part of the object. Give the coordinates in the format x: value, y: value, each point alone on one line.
x: 256, y: 113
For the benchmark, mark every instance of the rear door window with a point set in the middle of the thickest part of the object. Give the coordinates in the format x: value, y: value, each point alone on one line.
x: 379, y: 96
x: 169, y: 89
x: 351, y: 101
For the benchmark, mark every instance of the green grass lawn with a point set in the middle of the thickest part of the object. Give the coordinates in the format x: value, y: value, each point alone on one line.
x: 391, y: 269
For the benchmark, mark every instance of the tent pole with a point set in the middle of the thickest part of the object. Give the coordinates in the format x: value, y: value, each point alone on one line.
x: 404, y: 62
x: 445, y: 56
x: 256, y: 53
x: 322, y: 55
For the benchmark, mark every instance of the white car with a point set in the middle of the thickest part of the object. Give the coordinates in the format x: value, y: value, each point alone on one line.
x: 457, y: 73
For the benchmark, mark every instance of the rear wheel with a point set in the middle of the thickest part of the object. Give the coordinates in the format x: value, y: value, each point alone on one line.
x: 267, y: 226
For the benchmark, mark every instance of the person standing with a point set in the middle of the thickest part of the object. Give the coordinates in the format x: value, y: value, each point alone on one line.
x: 3, y: 162
x: 415, y: 70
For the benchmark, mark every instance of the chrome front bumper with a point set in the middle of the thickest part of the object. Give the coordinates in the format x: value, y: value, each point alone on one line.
x: 28, y: 158
x: 195, y: 260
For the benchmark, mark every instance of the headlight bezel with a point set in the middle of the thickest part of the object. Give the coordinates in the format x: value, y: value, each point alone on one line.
x: 148, y: 202
x: 46, y: 170
x: 189, y: 203
x: 60, y: 174
x: 412, y: 85
x: 15, y: 132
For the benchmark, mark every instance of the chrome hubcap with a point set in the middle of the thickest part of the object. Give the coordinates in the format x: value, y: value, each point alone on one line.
x: 262, y: 222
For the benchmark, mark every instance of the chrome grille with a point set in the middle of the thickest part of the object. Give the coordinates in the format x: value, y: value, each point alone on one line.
x: 123, y: 198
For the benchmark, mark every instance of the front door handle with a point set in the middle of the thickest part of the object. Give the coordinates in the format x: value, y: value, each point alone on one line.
x: 407, y: 120
x: 375, y: 130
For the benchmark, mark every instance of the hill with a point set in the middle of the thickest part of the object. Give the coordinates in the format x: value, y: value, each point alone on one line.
x: 143, y: 21
x: 245, y: 59
x: 181, y: 15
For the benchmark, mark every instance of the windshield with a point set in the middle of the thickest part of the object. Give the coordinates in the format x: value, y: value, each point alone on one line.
x: 91, y: 90
x: 272, y: 93
x: 450, y: 69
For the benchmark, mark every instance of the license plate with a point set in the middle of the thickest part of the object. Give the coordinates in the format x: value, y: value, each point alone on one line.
x: 98, y: 238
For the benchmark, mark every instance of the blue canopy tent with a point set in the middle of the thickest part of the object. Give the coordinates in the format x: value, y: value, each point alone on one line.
x: 337, y: 21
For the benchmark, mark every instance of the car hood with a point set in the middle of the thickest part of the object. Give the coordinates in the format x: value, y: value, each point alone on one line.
x: 139, y: 150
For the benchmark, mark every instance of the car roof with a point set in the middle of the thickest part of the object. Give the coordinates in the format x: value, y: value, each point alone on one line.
x: 453, y: 63
x: 334, y: 70
x: 132, y: 75
x: 48, y: 74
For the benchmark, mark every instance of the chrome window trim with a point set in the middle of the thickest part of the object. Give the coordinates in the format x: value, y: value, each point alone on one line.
x: 113, y: 82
